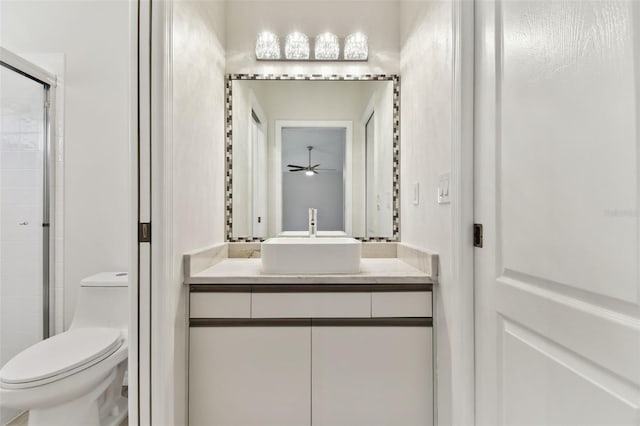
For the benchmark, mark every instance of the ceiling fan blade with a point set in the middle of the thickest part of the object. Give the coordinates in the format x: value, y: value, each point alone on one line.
x: 313, y: 167
x: 314, y: 172
x: 293, y: 165
x: 297, y: 170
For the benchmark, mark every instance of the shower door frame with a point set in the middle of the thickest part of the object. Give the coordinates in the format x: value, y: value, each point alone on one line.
x: 17, y: 64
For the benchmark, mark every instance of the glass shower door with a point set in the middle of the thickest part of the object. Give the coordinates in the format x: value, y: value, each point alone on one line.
x: 23, y: 252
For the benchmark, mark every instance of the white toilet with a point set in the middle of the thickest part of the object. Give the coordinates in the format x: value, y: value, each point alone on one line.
x: 75, y: 378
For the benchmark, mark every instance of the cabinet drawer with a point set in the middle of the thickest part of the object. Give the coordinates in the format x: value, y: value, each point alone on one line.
x: 220, y: 305
x: 401, y: 304
x: 311, y: 305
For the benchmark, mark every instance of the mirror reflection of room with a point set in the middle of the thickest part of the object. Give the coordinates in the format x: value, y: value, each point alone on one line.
x: 313, y: 182
x: 326, y: 145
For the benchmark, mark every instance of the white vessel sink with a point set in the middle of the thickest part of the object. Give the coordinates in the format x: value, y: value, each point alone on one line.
x: 284, y: 255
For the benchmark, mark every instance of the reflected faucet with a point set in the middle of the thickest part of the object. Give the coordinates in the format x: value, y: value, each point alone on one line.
x: 313, y: 223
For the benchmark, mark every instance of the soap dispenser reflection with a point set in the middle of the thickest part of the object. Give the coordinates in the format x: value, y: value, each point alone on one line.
x: 313, y: 222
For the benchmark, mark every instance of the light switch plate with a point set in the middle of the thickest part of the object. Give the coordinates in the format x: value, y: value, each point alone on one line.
x: 444, y: 193
x: 416, y: 193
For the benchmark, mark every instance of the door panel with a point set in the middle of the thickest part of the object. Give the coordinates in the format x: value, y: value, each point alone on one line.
x: 244, y: 376
x: 372, y: 376
x: 582, y: 394
x: 566, y: 144
x: 556, y: 174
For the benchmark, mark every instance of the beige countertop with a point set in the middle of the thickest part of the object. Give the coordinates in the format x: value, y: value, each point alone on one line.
x: 382, y: 263
x: 248, y: 271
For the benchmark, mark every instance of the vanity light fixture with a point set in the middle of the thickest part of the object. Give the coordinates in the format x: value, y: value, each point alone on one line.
x: 356, y: 47
x: 267, y: 46
x: 297, y: 46
x: 327, y: 47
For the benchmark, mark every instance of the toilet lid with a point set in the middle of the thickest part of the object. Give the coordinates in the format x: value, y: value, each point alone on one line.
x: 60, y: 354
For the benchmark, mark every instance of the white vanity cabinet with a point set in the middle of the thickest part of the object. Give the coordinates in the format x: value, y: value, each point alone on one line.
x: 371, y: 376
x: 249, y: 376
x: 310, y: 361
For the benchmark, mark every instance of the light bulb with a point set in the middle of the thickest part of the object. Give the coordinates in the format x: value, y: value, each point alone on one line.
x: 308, y: 173
x: 327, y: 47
x: 356, y: 47
x: 297, y: 46
x: 267, y: 46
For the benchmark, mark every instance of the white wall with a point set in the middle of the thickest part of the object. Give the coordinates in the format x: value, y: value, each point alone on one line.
x: 94, y: 39
x: 197, y: 204
x: 426, y: 68
x: 377, y: 19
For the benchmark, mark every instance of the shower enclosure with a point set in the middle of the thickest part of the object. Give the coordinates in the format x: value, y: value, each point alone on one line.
x: 25, y: 186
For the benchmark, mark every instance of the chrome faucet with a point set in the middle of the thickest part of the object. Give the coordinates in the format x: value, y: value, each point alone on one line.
x: 313, y: 223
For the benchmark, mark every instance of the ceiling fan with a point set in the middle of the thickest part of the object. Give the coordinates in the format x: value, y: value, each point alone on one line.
x: 308, y: 170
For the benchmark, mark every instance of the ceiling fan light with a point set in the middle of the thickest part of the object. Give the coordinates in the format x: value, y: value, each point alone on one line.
x: 308, y: 173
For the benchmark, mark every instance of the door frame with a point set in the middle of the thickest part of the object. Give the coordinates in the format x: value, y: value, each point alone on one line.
x: 148, y: 26
x: 151, y: 27
x: 462, y: 217
x: 263, y: 124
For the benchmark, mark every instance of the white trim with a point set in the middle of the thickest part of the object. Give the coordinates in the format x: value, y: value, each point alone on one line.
x: 254, y: 106
x: 348, y: 171
x: 132, y: 362
x: 55, y: 294
x: 462, y: 255
x: 163, y: 268
x: 27, y: 67
x: 143, y: 210
x: 364, y: 119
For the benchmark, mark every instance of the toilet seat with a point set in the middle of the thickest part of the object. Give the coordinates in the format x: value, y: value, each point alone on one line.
x: 60, y: 356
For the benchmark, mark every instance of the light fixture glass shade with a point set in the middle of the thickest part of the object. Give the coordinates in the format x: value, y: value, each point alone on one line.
x: 297, y: 46
x: 356, y: 47
x: 267, y: 46
x: 327, y: 47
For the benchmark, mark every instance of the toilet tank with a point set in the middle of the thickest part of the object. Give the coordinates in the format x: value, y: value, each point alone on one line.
x: 103, y: 301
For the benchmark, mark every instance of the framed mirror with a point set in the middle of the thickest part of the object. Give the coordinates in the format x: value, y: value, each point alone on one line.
x: 309, y: 141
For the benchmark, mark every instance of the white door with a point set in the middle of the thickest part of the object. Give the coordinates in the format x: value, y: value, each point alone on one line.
x: 557, y: 180
x: 259, y: 189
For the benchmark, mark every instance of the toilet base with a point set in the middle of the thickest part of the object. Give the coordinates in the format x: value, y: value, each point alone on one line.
x: 83, y: 411
x: 117, y: 413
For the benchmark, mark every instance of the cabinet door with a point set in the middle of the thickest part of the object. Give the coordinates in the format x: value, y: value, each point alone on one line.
x: 372, y: 376
x: 249, y: 376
